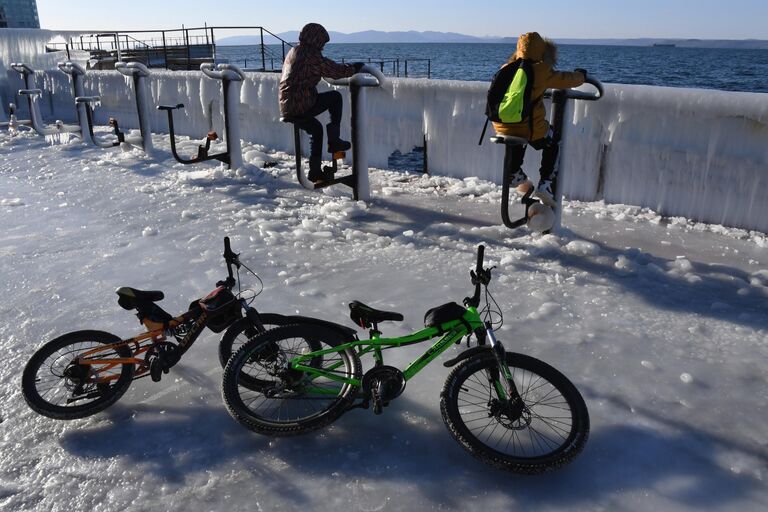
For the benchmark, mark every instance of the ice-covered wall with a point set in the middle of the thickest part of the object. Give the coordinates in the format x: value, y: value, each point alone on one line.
x: 684, y: 152
x: 28, y: 46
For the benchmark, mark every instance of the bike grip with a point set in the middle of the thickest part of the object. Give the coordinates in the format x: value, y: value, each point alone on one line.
x: 227, y: 247
x: 480, y: 254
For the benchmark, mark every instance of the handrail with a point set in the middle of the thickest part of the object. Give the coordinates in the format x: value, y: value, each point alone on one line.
x: 71, y: 68
x: 360, y: 79
x: 132, y: 68
x: 228, y: 71
x: 589, y: 96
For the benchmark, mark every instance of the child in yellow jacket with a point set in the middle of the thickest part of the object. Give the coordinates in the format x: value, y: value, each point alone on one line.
x: 543, y: 54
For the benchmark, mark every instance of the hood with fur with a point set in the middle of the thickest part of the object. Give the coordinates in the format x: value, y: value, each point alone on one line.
x: 531, y: 46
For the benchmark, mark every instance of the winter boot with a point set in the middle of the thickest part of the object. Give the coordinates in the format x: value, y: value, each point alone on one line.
x: 319, y: 172
x: 335, y: 143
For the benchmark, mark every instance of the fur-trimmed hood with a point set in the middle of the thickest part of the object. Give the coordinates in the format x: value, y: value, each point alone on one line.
x: 531, y: 46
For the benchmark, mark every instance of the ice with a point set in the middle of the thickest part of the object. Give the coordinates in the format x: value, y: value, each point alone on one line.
x: 692, y: 154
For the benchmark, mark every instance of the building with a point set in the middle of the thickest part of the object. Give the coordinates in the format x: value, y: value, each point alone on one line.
x: 19, y: 14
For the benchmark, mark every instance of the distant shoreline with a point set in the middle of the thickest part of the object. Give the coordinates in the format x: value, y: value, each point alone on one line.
x: 412, y: 37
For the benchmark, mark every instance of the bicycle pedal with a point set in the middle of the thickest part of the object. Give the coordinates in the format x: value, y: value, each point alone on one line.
x: 339, y: 155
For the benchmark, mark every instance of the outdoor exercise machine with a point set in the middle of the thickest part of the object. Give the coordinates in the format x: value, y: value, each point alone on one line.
x: 532, y: 206
x: 231, y: 78
x: 139, y: 73
x: 76, y: 73
x: 368, y: 76
x: 13, y: 124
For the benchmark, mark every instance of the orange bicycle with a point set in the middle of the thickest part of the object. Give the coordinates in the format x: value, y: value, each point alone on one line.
x: 84, y: 372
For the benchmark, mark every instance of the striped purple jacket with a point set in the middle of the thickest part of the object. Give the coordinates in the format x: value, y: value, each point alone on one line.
x: 303, y: 68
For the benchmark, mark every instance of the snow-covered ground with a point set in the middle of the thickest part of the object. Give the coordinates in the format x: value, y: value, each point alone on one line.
x: 661, y: 323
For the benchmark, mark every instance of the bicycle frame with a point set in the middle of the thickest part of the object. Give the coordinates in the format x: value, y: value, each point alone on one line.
x: 140, y: 346
x: 456, y: 330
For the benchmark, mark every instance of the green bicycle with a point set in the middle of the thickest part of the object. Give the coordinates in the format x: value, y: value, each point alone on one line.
x: 509, y: 410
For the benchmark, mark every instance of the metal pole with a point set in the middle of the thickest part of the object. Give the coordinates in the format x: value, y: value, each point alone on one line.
x: 165, y: 51
x: 406, y: 69
x: 263, y: 60
x: 429, y: 68
x: 558, y: 115
x: 189, y: 57
x: 213, y: 44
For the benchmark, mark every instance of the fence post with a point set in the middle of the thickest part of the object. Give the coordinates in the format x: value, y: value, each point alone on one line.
x: 263, y: 60
x: 165, y: 51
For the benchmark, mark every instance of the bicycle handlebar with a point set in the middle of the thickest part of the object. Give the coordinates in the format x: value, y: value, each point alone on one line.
x: 478, y: 278
x: 230, y: 258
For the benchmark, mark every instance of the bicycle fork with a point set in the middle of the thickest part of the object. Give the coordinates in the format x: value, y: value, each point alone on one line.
x: 503, y: 382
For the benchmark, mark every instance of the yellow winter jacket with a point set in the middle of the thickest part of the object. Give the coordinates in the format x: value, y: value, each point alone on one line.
x: 532, y: 46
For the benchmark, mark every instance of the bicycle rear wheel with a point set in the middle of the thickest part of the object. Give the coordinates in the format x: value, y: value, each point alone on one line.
x: 56, y: 385
x: 265, y: 395
x: 548, y: 431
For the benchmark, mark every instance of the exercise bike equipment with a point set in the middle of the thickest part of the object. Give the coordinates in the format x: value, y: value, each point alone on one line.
x: 231, y: 77
x: 33, y: 95
x: 538, y: 216
x: 368, y: 76
x: 139, y: 73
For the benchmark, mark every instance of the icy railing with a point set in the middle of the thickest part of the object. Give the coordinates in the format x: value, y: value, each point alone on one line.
x: 695, y: 153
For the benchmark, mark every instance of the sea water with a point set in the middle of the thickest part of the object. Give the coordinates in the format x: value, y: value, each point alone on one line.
x: 725, y: 69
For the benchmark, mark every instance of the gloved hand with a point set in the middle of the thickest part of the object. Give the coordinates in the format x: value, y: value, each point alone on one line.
x: 358, y: 66
x: 582, y: 70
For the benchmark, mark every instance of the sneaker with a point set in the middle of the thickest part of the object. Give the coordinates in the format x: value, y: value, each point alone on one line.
x: 518, y: 178
x: 545, y: 193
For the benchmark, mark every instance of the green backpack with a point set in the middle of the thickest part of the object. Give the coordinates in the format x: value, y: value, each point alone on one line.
x: 509, y: 97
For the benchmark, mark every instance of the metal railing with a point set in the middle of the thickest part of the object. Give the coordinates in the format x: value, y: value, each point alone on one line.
x: 188, y: 48
x: 181, y: 48
x: 394, y: 64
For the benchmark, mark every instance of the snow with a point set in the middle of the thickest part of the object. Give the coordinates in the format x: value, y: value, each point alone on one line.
x: 659, y: 321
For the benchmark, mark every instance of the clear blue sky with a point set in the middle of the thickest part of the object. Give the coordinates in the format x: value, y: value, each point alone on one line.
x: 705, y: 19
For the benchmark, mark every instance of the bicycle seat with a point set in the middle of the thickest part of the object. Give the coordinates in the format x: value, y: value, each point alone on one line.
x: 509, y: 139
x: 293, y: 119
x: 129, y: 298
x: 366, y: 316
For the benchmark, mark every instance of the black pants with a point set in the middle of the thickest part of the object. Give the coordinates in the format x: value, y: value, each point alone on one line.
x: 333, y: 103
x: 513, y: 159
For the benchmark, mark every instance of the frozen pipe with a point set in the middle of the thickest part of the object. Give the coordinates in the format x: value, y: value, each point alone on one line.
x: 139, y: 73
x: 558, y: 115
x: 369, y: 76
x: 77, y: 75
x: 231, y: 78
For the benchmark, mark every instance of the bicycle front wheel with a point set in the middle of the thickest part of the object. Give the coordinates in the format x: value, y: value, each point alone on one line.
x: 546, y: 431
x: 61, y: 383
x: 264, y: 394
x: 241, y: 331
